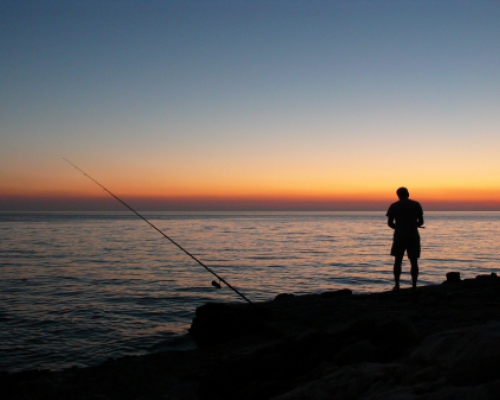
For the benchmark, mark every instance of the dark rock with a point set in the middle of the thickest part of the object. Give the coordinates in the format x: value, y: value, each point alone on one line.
x: 453, y: 277
x: 394, y: 331
x: 438, y: 343
x: 362, y: 351
x: 217, y: 323
x: 488, y: 279
x: 493, y: 389
x: 469, y: 355
x: 284, y: 296
x: 427, y: 374
x: 336, y: 293
x: 461, y: 393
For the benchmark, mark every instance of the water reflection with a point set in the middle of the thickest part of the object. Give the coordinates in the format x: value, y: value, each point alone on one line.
x: 111, y: 279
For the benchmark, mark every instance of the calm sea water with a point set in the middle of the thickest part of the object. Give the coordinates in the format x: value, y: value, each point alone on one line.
x: 78, y: 288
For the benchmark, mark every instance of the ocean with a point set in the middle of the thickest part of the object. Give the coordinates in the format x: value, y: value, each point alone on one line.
x: 79, y: 288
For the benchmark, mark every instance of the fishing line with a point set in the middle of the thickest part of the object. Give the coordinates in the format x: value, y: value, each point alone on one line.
x: 216, y: 284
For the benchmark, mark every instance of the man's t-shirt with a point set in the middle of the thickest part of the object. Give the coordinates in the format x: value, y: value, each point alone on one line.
x: 406, y: 214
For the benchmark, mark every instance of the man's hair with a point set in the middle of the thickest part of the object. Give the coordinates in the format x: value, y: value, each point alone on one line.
x: 403, y: 193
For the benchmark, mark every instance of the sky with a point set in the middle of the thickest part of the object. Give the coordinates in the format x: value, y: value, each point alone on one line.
x: 249, y: 105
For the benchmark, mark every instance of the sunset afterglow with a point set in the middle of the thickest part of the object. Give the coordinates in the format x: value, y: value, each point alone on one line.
x: 250, y: 105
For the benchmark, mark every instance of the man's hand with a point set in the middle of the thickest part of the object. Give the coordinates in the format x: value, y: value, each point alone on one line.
x: 390, y: 222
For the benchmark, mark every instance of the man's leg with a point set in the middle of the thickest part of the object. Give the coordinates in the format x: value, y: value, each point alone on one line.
x: 414, y: 271
x: 398, y: 260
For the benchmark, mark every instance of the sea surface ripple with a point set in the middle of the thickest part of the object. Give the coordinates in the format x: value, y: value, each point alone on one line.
x: 79, y: 288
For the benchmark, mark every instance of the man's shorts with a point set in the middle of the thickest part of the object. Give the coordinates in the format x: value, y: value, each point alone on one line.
x: 410, y: 244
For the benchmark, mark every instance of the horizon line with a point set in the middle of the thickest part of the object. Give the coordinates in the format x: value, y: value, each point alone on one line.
x: 209, y: 204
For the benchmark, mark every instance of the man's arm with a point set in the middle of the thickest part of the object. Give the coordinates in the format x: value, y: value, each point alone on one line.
x: 420, y: 218
x: 391, y: 223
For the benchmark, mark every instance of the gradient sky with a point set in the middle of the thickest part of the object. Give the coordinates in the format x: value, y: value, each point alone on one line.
x: 249, y: 104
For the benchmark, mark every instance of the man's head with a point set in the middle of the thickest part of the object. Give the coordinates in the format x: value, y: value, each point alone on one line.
x: 403, y: 193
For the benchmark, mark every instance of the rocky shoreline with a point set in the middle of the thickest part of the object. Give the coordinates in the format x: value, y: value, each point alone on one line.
x: 439, y: 342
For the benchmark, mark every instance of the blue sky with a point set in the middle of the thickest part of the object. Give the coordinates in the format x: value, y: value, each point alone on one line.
x: 250, y: 98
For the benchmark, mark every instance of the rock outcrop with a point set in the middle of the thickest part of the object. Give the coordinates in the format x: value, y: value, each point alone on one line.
x: 439, y: 342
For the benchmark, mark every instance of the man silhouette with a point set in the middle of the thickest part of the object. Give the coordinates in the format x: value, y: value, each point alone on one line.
x: 405, y: 217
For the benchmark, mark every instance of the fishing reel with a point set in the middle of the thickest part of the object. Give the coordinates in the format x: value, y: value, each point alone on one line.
x: 216, y: 284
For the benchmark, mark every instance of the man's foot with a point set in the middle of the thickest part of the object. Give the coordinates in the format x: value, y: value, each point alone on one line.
x: 395, y: 288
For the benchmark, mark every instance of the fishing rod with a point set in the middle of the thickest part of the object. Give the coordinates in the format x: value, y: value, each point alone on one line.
x: 216, y: 284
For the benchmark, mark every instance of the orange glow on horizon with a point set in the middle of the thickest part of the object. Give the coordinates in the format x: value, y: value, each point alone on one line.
x: 305, y: 185
x: 452, y: 199
x: 287, y: 191
x: 93, y: 191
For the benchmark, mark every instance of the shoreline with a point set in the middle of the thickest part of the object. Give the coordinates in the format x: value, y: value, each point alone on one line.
x: 437, y: 342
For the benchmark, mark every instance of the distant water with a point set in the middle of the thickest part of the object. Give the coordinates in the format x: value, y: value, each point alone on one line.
x: 78, y: 288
